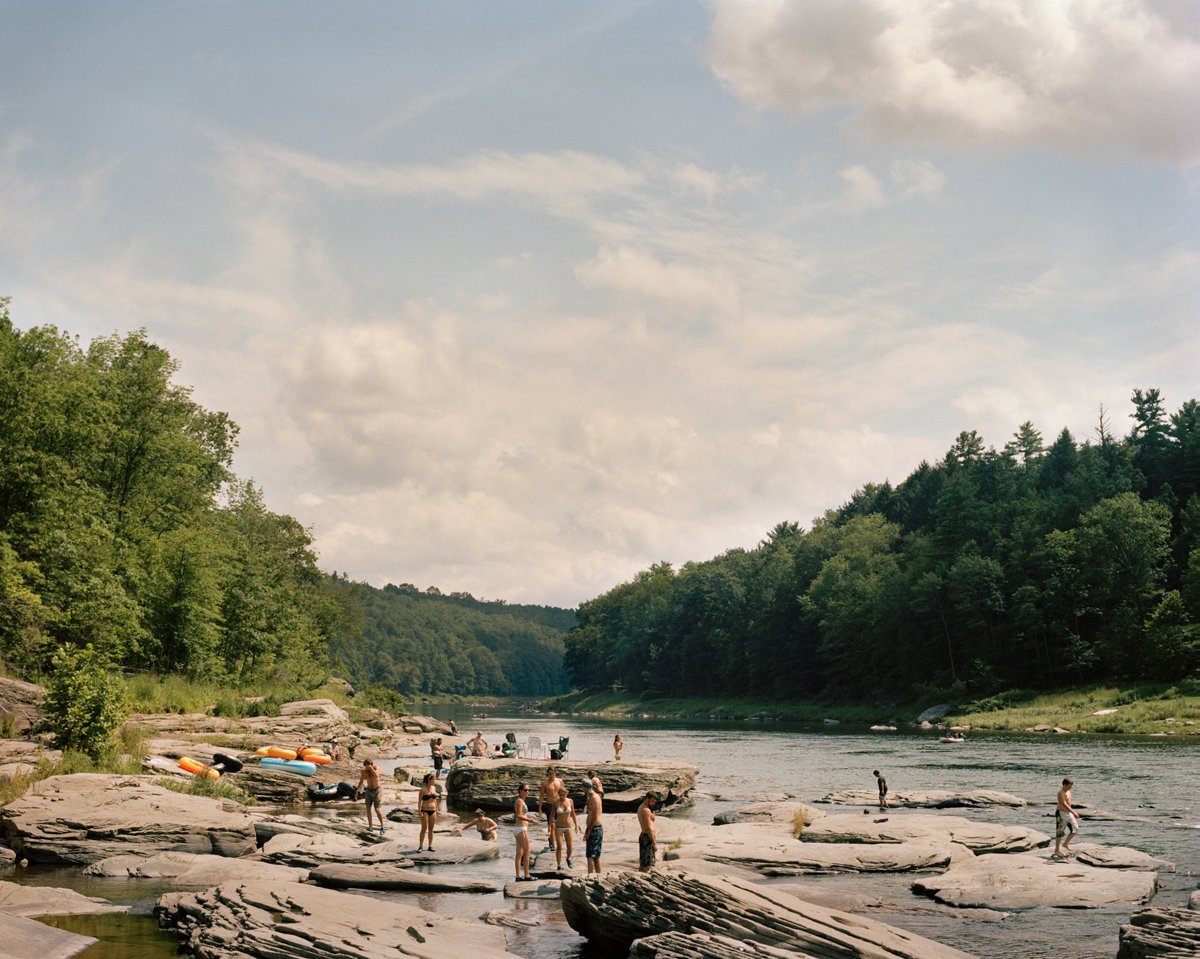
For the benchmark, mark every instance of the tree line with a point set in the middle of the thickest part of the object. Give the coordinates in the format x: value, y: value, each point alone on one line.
x: 124, y: 529
x: 1033, y: 566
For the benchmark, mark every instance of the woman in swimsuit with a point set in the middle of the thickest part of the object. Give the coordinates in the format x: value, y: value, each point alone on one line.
x: 564, y: 822
x: 427, y: 805
x: 521, y: 821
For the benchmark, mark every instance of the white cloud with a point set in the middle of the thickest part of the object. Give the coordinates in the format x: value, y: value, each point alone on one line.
x: 1082, y: 74
x: 917, y: 177
x: 637, y: 271
x: 863, y: 189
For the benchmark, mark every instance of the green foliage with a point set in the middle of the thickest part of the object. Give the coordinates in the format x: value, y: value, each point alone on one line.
x: 378, y: 696
x: 1030, y: 568
x: 210, y: 788
x: 85, y: 702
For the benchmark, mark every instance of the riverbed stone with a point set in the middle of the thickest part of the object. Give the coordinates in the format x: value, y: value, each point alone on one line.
x: 1014, y: 882
x: 393, y: 876
x: 326, y: 848
x: 492, y: 783
x: 85, y: 817
x: 257, y: 920
x: 926, y: 799
x: 19, y: 900
x: 29, y: 939
x: 615, y: 909
x: 1119, y: 857
x: 680, y: 945
x: 905, y: 827
x: 1163, y: 932
x: 538, y: 889
x: 780, y: 812
x: 188, y: 869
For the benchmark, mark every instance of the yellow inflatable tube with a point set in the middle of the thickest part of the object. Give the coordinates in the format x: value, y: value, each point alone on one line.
x: 197, y: 768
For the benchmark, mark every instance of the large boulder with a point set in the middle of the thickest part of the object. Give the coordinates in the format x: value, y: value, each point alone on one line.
x: 29, y: 939
x: 1119, y: 857
x: 85, y: 817
x: 976, y: 836
x: 21, y: 704
x: 615, y: 909
x: 926, y: 799
x: 492, y: 783
x: 252, y: 920
x: 18, y: 900
x: 1026, y: 881
x: 1161, y: 933
x: 781, y: 812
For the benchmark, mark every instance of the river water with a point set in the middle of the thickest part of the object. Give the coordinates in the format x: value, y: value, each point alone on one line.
x: 1139, y: 792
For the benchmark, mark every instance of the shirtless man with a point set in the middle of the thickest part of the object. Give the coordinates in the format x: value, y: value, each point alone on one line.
x: 593, y: 832
x: 547, y: 793
x: 369, y: 777
x: 596, y: 782
x: 647, y: 843
x: 478, y: 746
x: 1066, y: 822
x: 882, y: 789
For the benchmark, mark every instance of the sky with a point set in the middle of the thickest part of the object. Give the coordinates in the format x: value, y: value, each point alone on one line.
x: 520, y: 298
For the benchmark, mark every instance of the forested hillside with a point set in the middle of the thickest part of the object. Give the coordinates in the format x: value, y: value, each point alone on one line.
x: 424, y: 643
x: 1031, y: 566
x: 122, y: 526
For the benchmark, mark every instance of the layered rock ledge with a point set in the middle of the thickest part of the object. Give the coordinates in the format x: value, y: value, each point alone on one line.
x: 616, y: 909
x: 492, y: 783
x: 884, y: 828
x: 926, y: 799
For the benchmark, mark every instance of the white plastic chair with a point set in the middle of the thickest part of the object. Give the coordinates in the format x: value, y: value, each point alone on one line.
x: 533, y: 748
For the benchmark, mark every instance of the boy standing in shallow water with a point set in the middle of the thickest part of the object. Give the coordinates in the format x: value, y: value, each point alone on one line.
x: 1066, y: 822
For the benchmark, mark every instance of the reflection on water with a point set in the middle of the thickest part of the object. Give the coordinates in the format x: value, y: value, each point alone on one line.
x: 122, y: 936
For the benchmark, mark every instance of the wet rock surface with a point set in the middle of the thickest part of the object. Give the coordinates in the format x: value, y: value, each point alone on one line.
x: 17, y: 900
x: 979, y: 837
x: 926, y: 799
x: 29, y: 939
x: 395, y: 877
x: 1161, y: 933
x: 187, y: 869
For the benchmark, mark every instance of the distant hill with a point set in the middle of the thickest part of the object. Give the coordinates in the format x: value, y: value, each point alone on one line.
x: 429, y: 643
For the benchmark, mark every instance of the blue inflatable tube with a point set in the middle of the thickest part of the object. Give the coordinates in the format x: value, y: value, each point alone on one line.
x: 298, y: 766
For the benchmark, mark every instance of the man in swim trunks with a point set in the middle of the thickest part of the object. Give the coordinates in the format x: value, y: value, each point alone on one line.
x: 882, y: 789
x: 369, y: 777
x: 1066, y: 822
x: 478, y: 746
x: 593, y: 833
x: 647, y: 842
x: 438, y: 754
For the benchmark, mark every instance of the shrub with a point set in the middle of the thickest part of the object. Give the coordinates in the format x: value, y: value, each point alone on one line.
x: 84, y: 702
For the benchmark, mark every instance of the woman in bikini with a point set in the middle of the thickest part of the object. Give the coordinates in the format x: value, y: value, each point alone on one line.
x: 521, y: 821
x: 427, y: 805
x: 565, y: 824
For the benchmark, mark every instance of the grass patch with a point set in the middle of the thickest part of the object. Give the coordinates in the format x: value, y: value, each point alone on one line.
x: 1141, y: 709
x: 211, y: 788
x: 152, y: 693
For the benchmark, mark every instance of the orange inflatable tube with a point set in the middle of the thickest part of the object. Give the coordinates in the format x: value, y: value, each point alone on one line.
x: 276, y: 752
x: 198, y: 769
x: 314, y: 756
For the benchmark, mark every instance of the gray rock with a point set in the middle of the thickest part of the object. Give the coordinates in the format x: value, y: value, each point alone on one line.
x: 188, y: 869
x: 514, y: 919
x: 85, y: 817
x: 312, y: 852
x: 253, y: 920
x: 934, y: 712
x: 1119, y: 857
x: 393, y: 876
x: 776, y: 812
x: 679, y: 945
x: 539, y: 889
x: 29, y: 939
x: 21, y: 703
x: 905, y: 827
x: 926, y: 799
x: 617, y: 908
x: 1161, y: 933
x: 17, y: 900
x: 492, y: 783
x: 1026, y: 881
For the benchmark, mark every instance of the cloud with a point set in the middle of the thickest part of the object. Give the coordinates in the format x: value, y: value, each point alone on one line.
x: 863, y: 189
x: 917, y: 177
x: 1113, y: 75
x: 637, y: 271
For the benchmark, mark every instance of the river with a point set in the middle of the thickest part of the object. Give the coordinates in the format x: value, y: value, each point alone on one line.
x: 1145, y: 787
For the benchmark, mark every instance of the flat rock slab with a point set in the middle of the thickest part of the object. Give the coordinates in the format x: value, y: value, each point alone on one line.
x: 311, y: 852
x: 927, y: 799
x: 85, y: 817
x: 679, y: 945
x: 616, y: 909
x: 29, y: 939
x: 538, y: 889
x: 1161, y: 933
x: 1119, y: 857
x: 782, y: 812
x: 251, y: 920
x: 17, y: 900
x: 884, y: 828
x: 188, y: 869
x: 1011, y: 883
x: 393, y: 876
x: 492, y: 783
x: 512, y: 918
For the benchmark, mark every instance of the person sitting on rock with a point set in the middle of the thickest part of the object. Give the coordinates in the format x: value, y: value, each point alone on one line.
x: 487, y: 827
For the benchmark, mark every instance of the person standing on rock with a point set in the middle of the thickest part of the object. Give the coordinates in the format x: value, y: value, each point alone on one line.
x: 521, y: 823
x: 882, y: 789
x: 617, y: 747
x: 438, y: 754
x: 566, y: 824
x: 547, y: 791
x: 1066, y: 821
x: 593, y: 831
x: 427, y: 806
x: 647, y: 840
x: 368, y: 788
